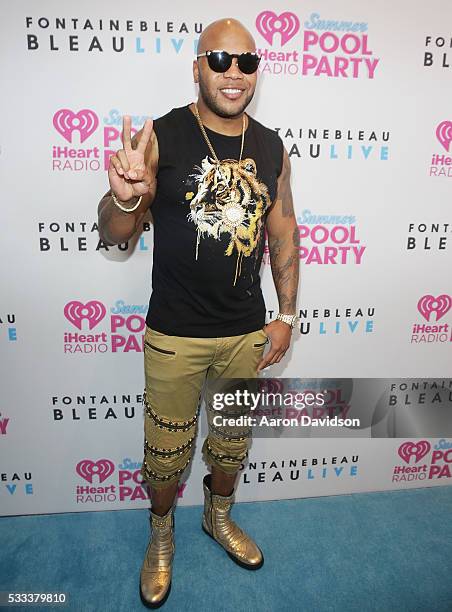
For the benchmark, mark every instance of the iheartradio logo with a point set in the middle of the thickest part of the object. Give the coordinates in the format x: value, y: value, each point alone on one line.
x: 270, y: 385
x: 444, y: 134
x: 269, y: 23
x: 92, y: 311
x: 418, y: 450
x: 87, y: 469
x: 440, y: 305
x: 66, y: 122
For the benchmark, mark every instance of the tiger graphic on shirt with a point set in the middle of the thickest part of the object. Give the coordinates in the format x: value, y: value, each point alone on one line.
x: 230, y: 199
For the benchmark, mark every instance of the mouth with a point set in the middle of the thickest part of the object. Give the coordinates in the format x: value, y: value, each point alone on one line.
x: 232, y: 93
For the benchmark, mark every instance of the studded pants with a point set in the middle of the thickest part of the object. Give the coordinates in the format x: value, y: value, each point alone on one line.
x: 177, y: 369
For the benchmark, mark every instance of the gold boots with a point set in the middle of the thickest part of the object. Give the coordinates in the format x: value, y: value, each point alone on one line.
x: 217, y: 523
x: 155, y: 577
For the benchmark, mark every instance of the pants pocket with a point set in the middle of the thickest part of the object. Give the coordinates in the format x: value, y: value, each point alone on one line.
x: 260, y: 343
x: 158, y: 344
x: 158, y: 349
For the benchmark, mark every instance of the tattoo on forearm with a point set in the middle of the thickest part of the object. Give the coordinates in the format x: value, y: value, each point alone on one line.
x: 296, y: 238
x: 284, y: 261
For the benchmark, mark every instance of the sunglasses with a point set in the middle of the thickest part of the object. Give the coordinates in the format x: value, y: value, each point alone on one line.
x: 220, y: 61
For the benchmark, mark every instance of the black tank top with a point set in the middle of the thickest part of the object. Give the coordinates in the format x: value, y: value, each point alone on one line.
x: 209, y: 227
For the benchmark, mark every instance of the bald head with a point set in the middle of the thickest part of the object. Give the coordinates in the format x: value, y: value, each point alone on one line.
x: 224, y: 93
x: 225, y: 34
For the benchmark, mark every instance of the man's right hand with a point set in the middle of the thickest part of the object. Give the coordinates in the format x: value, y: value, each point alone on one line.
x: 128, y: 173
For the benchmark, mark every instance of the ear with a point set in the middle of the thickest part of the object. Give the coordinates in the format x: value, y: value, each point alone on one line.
x: 195, y: 71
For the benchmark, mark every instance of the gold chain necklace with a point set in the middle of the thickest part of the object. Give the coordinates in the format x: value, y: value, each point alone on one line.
x: 232, y: 212
x: 209, y: 144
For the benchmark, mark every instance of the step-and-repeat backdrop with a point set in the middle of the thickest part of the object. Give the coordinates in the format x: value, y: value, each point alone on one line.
x: 360, y: 93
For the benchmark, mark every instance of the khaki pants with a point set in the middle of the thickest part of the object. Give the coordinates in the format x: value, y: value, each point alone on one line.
x: 176, y: 369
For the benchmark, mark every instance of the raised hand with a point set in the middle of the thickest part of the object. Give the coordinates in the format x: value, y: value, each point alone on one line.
x: 128, y: 173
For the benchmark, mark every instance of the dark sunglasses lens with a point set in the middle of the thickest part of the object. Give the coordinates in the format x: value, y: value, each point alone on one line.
x: 248, y: 62
x: 219, y: 61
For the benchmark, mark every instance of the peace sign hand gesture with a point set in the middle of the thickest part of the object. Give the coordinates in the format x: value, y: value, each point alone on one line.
x: 129, y: 174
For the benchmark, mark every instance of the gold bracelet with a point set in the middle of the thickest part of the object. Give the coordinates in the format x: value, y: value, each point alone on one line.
x: 116, y: 201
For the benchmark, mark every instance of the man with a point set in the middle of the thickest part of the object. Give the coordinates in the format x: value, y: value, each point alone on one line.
x: 216, y: 178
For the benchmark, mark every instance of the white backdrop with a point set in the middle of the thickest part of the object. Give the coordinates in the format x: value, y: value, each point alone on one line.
x: 363, y: 106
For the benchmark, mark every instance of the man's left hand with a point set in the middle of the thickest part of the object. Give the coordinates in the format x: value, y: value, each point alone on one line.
x: 280, y: 334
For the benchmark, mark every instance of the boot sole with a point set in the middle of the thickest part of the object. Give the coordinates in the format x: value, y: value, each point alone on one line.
x: 241, y: 563
x: 152, y: 606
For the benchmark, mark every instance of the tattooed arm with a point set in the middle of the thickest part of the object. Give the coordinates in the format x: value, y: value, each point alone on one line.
x: 283, y: 242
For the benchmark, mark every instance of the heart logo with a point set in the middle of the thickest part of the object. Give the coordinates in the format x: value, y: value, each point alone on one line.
x: 429, y: 303
x: 75, y: 312
x: 269, y: 23
x: 444, y: 134
x: 66, y: 121
x: 87, y: 469
x: 270, y: 385
x: 414, y: 449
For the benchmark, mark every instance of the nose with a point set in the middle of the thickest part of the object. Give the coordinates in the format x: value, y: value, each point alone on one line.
x: 234, y: 72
